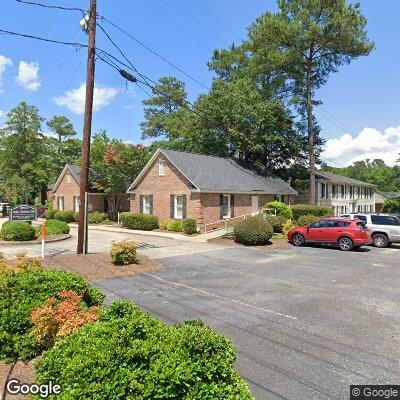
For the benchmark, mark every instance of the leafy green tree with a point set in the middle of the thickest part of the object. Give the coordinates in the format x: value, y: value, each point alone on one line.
x: 169, y: 96
x: 319, y: 37
x: 114, y: 165
x: 391, y: 206
x: 24, y: 160
x: 65, y: 147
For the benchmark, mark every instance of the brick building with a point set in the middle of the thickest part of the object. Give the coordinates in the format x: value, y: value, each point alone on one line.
x: 65, y: 193
x: 176, y: 184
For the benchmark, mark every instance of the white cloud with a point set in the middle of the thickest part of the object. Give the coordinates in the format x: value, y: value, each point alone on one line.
x: 74, y: 99
x: 369, y: 143
x: 4, y: 64
x: 2, y: 114
x: 28, y: 75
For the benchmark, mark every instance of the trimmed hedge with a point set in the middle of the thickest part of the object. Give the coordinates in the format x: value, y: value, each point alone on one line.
x: 307, y: 220
x: 54, y: 227
x: 17, y: 231
x: 130, y: 355
x: 253, y: 231
x: 189, y: 226
x: 20, y: 293
x: 277, y: 222
x: 142, y: 222
x: 307, y: 209
x: 171, y: 225
x: 49, y: 214
x: 97, y: 217
x: 280, y: 208
x: 66, y: 216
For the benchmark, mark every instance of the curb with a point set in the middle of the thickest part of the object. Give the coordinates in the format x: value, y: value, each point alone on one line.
x: 32, y: 242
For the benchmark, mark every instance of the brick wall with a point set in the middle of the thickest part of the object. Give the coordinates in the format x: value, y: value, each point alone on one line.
x: 66, y: 190
x: 70, y: 189
x: 161, y: 187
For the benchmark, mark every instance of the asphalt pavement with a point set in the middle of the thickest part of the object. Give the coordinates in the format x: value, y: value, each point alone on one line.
x: 307, y: 322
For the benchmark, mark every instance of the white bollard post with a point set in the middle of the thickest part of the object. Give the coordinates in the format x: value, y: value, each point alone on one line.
x: 43, y: 238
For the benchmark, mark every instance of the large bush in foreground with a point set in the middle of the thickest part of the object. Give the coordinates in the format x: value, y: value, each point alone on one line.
x: 143, y: 222
x: 130, y: 355
x: 17, y: 231
x: 54, y: 227
x: 307, y: 209
x: 253, y: 231
x: 189, y: 226
x: 277, y: 222
x: 20, y: 293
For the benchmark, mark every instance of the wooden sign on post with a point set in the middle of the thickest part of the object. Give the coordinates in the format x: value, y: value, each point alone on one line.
x: 23, y: 213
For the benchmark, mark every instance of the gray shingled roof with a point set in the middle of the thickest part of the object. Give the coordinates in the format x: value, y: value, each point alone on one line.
x: 339, y: 178
x: 76, y: 172
x: 217, y: 174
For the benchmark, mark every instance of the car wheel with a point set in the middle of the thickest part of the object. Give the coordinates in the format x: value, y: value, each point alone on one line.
x: 345, y: 244
x: 298, y: 240
x: 380, y: 240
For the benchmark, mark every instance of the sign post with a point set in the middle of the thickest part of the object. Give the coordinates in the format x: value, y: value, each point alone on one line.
x: 43, y: 237
x: 23, y: 213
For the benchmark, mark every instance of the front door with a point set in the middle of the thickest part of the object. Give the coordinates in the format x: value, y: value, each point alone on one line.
x: 254, y: 205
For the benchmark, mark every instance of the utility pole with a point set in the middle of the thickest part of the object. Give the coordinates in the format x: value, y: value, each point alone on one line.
x: 87, y: 129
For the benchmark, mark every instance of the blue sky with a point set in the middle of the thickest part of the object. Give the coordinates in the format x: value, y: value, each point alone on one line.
x: 360, y: 102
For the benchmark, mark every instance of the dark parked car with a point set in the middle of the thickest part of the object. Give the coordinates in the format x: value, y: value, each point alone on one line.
x: 346, y: 233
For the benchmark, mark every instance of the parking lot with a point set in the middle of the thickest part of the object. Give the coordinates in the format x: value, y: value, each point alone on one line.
x: 307, y: 322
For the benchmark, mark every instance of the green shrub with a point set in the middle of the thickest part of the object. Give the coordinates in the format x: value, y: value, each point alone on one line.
x: 252, y: 231
x: 97, y: 217
x: 17, y: 231
x: 289, y: 225
x: 307, y: 220
x: 66, y: 216
x: 130, y: 355
x: 391, y: 206
x: 20, y: 293
x: 171, y: 225
x: 189, y: 226
x: 123, y: 252
x: 49, y: 214
x: 308, y: 209
x: 142, y: 222
x: 53, y: 227
x: 276, y: 221
x: 280, y: 208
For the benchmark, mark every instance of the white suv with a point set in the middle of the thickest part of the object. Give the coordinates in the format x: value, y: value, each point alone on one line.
x: 385, y: 228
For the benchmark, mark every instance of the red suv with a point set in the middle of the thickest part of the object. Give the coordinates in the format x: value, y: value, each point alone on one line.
x: 346, y: 233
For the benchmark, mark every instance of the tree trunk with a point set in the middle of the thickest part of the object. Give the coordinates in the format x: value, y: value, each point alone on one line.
x: 310, y: 129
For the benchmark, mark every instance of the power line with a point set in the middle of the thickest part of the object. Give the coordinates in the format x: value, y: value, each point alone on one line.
x: 77, y: 45
x: 217, y: 19
x: 155, y: 53
x: 32, y: 3
x: 187, y: 12
x: 177, y: 26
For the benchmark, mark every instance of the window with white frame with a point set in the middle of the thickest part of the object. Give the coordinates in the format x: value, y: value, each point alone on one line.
x: 226, y: 206
x: 178, y: 207
x: 324, y: 190
x: 147, y: 203
x: 161, y: 167
x: 68, y: 177
x: 77, y: 203
x: 60, y: 203
x: 279, y: 197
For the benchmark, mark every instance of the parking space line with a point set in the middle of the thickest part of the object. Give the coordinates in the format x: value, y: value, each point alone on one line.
x: 221, y: 297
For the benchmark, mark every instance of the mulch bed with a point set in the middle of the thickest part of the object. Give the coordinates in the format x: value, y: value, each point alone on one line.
x: 98, y: 266
x: 23, y: 371
x: 274, y: 244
